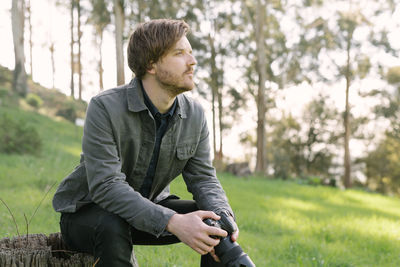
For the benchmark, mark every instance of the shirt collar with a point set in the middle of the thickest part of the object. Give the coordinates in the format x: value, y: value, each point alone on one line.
x: 153, y: 109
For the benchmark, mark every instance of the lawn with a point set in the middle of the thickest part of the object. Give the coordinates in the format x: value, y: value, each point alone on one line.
x: 281, y: 223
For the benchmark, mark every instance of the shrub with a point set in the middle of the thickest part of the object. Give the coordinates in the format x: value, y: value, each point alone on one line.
x: 34, y: 100
x: 3, y: 92
x: 68, y: 111
x: 18, y: 137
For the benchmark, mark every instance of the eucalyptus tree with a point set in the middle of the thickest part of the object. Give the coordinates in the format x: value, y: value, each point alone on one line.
x: 17, y: 21
x: 100, y: 17
x: 75, y: 8
x: 29, y: 19
x: 304, y: 144
x: 382, y: 163
x: 215, y: 36
x: 269, y: 60
x: 119, y: 22
x: 340, y: 51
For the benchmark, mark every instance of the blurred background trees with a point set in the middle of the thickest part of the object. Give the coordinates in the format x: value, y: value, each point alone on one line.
x: 254, y: 56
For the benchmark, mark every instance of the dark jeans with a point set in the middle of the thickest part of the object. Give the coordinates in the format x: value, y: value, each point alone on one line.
x: 109, y: 238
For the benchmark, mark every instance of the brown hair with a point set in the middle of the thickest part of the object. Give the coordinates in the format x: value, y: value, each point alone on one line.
x: 151, y: 41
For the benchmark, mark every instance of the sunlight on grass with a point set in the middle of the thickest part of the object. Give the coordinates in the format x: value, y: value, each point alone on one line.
x: 75, y: 151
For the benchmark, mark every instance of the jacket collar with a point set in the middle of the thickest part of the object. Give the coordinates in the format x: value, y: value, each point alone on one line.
x: 136, y: 99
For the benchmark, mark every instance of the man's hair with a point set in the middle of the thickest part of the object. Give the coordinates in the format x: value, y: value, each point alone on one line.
x: 151, y: 41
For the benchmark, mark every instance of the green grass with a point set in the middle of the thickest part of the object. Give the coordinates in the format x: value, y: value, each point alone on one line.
x: 281, y: 223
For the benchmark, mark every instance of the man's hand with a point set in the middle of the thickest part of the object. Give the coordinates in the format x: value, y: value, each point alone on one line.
x: 234, y: 237
x: 191, y: 230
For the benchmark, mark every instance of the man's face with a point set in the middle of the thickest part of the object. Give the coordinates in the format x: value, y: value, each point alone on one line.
x: 174, y: 71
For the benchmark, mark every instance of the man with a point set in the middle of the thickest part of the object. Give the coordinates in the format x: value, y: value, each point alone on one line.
x: 137, y: 139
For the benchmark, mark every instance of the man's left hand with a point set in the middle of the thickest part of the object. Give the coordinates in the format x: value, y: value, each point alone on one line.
x: 234, y: 237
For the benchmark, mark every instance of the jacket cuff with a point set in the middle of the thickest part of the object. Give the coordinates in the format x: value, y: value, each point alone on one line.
x: 160, y: 224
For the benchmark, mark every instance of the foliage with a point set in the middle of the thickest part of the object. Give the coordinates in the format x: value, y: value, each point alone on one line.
x: 393, y: 75
x: 18, y: 136
x: 4, y: 92
x: 34, y: 100
x: 382, y: 165
x: 304, y: 146
x: 68, y: 111
x: 6, y: 76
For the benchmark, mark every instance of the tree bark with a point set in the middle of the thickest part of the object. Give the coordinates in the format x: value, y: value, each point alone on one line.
x: 79, y: 49
x: 41, y: 251
x: 17, y: 19
x: 214, y: 89
x: 29, y: 11
x: 261, y: 70
x: 44, y: 251
x: 119, y: 29
x: 53, y: 65
x: 72, y: 49
x: 101, y: 70
x: 347, y: 159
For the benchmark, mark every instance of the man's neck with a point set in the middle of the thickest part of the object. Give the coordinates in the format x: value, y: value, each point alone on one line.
x: 158, y: 96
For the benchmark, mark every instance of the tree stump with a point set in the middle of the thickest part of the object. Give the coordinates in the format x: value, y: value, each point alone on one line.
x: 38, y: 250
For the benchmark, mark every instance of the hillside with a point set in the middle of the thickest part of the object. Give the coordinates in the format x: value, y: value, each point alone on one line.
x: 281, y: 223
x: 49, y: 102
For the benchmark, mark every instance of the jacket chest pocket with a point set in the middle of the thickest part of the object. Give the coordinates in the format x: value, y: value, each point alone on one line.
x: 183, y: 153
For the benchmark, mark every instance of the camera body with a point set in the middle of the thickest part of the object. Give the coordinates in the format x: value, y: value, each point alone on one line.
x: 230, y: 253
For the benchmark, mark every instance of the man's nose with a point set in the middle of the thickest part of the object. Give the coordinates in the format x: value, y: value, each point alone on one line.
x: 192, y: 60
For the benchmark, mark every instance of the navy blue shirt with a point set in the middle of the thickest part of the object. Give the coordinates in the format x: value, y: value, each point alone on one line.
x: 162, y: 121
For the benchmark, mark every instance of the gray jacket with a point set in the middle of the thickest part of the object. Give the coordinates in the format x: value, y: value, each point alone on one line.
x: 117, y: 145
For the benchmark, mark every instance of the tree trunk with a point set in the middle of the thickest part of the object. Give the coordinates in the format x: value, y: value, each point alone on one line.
x: 214, y: 89
x: 101, y: 61
x: 347, y: 159
x: 72, y: 49
x: 119, y: 29
x: 220, y: 109
x: 17, y: 19
x: 29, y: 11
x: 261, y: 69
x: 53, y: 65
x: 79, y: 49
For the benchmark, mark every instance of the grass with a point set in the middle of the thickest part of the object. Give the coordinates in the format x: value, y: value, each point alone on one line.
x: 281, y: 223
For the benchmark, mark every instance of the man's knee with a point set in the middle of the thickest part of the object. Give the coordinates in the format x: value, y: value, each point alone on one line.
x: 111, y: 227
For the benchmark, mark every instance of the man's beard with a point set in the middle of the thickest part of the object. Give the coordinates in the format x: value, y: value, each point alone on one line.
x: 170, y: 82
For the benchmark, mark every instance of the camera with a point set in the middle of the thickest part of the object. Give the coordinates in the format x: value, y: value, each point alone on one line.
x: 230, y: 253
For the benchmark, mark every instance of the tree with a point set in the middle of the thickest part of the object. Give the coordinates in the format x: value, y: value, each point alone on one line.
x: 119, y: 20
x: 72, y: 58
x: 270, y: 62
x: 382, y: 163
x: 79, y: 41
x: 29, y: 18
x: 100, y: 18
x: 17, y: 19
x: 332, y: 43
x: 305, y: 145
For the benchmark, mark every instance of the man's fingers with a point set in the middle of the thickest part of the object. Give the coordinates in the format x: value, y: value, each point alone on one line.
x: 216, y: 231
x: 205, y: 214
x: 235, y: 235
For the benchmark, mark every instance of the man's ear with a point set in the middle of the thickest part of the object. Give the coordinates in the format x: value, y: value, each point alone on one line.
x: 151, y: 68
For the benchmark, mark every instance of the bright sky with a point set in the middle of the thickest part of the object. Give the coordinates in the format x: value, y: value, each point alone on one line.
x: 52, y: 24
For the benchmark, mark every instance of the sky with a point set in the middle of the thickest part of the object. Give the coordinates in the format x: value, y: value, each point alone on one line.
x: 52, y: 24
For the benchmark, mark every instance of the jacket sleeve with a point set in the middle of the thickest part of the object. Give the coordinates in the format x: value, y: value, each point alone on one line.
x: 200, y: 176
x: 107, y: 183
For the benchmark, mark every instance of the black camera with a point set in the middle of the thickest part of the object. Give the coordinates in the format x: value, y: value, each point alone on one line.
x: 230, y: 253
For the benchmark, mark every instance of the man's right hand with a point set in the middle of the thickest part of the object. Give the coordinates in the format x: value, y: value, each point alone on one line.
x: 191, y: 230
